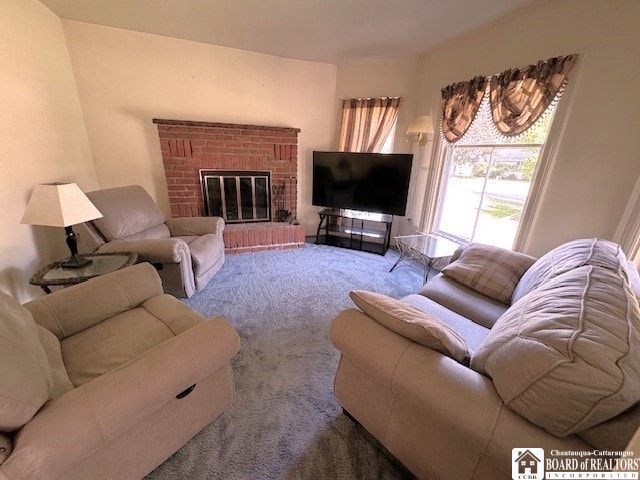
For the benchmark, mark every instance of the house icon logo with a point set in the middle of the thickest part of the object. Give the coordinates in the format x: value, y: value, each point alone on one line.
x: 527, y: 463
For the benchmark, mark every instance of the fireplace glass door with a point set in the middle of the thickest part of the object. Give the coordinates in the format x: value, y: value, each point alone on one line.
x: 237, y: 196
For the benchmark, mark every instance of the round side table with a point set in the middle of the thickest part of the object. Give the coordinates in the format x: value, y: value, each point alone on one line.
x: 55, y: 275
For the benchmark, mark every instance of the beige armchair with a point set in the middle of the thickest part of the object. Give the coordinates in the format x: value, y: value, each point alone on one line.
x: 187, y: 252
x: 110, y: 379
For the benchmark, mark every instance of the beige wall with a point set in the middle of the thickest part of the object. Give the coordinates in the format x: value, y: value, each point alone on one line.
x: 596, y: 161
x: 127, y: 78
x: 43, y: 136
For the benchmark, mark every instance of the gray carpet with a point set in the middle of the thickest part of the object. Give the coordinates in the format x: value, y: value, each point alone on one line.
x: 285, y: 422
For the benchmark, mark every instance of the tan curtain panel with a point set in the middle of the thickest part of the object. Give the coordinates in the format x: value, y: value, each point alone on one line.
x: 519, y: 96
x: 460, y: 103
x: 367, y: 122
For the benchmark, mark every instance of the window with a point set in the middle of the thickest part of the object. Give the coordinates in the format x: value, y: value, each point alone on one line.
x: 387, y: 147
x: 486, y: 180
x: 493, y: 131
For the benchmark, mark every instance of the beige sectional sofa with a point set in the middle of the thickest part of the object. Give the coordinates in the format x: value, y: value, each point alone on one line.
x: 443, y: 418
x: 107, y: 379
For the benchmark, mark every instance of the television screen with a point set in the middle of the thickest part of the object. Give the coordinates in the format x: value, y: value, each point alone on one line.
x: 371, y: 182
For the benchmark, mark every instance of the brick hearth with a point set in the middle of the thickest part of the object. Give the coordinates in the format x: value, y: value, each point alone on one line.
x: 190, y: 146
x: 258, y: 237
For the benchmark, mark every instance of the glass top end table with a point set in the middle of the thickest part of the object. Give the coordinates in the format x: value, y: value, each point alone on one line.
x: 101, y: 263
x: 427, y: 248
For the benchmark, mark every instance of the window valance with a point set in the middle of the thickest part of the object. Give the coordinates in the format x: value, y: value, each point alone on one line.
x: 460, y: 103
x: 518, y: 97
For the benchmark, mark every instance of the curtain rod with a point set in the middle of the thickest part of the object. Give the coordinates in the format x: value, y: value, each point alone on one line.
x: 369, y: 98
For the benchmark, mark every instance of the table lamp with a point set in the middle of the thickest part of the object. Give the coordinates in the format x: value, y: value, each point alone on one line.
x: 61, y: 205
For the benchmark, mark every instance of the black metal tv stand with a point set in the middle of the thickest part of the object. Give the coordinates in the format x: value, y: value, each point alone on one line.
x: 370, y: 232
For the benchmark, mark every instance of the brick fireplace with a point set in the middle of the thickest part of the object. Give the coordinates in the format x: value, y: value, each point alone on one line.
x: 189, y: 147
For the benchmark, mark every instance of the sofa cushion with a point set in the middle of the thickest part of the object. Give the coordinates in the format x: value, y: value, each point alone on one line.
x: 463, y: 300
x: 126, y: 211
x: 24, y: 369
x: 492, y: 271
x: 119, y: 339
x: 566, y: 257
x: 412, y: 323
x: 472, y: 333
x: 51, y: 344
x: 567, y: 355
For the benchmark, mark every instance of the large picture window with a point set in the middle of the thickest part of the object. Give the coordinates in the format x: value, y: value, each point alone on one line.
x: 486, y: 181
x: 493, y: 130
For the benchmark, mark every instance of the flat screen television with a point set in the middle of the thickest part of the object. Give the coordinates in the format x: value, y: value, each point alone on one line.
x: 371, y: 182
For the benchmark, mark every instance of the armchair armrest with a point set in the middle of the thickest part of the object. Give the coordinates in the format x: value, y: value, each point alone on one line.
x: 357, y: 336
x: 74, y: 425
x: 380, y: 352
x: 195, y: 225
x: 425, y: 407
x: 68, y: 311
x: 160, y: 250
x: 439, y: 392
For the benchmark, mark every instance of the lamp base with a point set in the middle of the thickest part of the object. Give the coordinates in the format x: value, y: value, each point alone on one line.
x: 76, y: 262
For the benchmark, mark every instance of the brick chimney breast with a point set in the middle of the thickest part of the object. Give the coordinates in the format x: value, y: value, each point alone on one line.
x: 189, y: 146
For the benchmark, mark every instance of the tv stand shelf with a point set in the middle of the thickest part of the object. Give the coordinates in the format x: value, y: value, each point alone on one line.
x: 366, y: 231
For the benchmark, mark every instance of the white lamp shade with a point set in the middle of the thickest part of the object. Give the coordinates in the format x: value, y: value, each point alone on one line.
x: 422, y: 124
x: 59, y: 205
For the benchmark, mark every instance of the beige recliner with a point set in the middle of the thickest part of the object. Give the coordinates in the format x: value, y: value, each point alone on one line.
x: 107, y: 379
x: 187, y: 252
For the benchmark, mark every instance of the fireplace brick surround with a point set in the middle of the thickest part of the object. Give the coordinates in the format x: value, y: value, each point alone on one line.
x: 189, y: 146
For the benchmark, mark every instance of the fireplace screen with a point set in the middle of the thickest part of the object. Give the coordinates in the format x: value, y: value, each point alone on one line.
x: 237, y: 197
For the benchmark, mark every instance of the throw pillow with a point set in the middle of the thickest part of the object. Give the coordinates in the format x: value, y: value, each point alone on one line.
x: 567, y: 355
x: 413, y: 324
x: 492, y: 271
x: 566, y: 257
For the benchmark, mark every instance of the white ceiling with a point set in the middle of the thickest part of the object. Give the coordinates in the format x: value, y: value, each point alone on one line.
x: 329, y: 31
